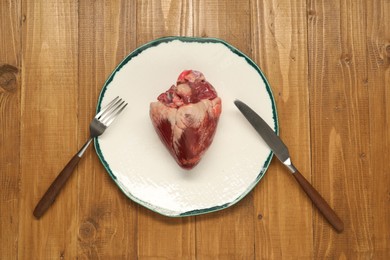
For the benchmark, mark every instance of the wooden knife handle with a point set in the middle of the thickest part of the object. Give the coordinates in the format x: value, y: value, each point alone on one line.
x: 320, y: 203
x: 55, y: 188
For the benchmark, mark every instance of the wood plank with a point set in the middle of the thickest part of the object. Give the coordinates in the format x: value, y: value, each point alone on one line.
x: 10, y: 63
x: 163, y: 18
x: 226, y: 20
x: 161, y: 237
x: 378, y: 84
x: 228, y: 234
x: 107, y: 226
x: 340, y: 125
x: 49, y: 126
x: 280, y: 48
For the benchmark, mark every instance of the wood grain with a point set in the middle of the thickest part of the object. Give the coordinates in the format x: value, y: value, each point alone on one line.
x: 107, y: 220
x: 10, y: 89
x: 280, y: 49
x: 340, y: 125
x: 328, y: 64
x: 49, y: 116
x: 378, y: 84
x: 163, y: 18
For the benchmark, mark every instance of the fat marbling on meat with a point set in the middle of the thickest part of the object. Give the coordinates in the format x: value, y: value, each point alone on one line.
x: 186, y: 116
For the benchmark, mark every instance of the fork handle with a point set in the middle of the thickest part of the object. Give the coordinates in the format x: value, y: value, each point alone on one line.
x: 55, y: 188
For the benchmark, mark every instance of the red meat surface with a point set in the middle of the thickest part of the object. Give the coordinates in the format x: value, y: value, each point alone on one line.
x: 185, y: 117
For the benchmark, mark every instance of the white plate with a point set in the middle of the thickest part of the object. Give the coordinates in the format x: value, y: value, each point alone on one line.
x: 140, y: 164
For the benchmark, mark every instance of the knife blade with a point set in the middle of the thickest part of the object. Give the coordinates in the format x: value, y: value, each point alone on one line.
x: 281, y: 152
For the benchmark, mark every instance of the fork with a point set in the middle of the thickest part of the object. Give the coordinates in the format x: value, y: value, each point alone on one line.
x: 97, y: 127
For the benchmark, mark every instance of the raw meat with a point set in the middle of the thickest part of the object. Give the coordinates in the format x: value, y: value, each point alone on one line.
x: 185, y: 117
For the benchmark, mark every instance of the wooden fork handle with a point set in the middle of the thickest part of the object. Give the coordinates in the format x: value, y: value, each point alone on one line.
x: 54, y: 189
x: 320, y: 203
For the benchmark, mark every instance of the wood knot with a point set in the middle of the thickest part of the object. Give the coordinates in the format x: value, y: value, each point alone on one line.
x: 365, y: 81
x: 388, y: 50
x: 311, y: 15
x: 259, y: 216
x: 8, y: 80
x: 87, y: 231
x: 311, y: 12
x: 346, y: 58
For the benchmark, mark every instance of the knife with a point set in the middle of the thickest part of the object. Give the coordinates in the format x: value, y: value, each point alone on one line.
x: 282, y: 153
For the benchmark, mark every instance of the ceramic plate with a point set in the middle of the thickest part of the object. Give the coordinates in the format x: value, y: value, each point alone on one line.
x: 140, y: 164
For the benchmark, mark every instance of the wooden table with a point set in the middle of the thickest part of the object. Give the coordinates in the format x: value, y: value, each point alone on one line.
x: 328, y: 63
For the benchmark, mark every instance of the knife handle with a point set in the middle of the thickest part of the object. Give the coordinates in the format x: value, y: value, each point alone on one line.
x: 319, y: 202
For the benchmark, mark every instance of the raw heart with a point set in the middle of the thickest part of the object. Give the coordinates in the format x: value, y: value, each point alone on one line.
x: 186, y: 116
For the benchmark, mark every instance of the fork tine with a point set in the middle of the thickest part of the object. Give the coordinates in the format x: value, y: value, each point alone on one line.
x: 107, y: 107
x: 103, y: 118
x: 109, y: 110
x: 107, y: 119
x: 112, y: 117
